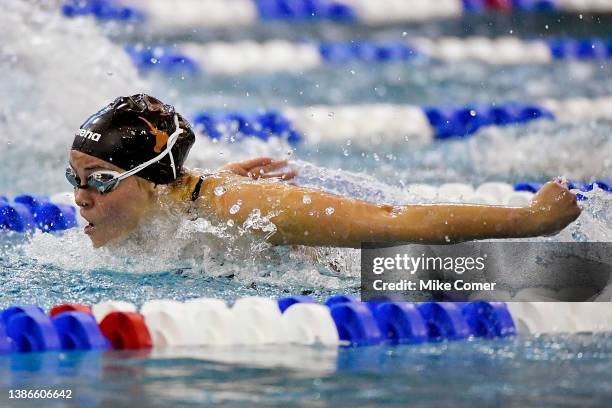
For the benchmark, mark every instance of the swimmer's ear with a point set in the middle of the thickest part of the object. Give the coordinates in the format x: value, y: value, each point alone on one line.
x: 146, y: 184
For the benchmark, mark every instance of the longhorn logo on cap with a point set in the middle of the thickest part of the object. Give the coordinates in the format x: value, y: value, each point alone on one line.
x: 161, y: 137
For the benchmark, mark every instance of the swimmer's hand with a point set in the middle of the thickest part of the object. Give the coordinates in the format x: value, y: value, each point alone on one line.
x: 261, y: 167
x: 554, y: 207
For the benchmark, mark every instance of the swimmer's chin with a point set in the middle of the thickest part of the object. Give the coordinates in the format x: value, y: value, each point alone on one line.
x: 99, y: 243
x: 96, y: 243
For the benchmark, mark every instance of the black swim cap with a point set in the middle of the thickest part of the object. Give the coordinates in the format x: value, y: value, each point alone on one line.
x: 132, y: 130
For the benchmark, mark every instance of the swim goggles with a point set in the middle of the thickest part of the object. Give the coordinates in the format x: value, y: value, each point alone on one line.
x: 105, y: 181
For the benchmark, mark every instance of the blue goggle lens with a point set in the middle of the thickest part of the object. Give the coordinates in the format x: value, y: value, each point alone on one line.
x: 104, y: 182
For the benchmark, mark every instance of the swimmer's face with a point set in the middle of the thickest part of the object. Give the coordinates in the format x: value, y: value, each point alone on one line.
x: 115, y: 214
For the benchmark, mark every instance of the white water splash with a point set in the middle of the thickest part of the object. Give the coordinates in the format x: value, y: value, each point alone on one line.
x: 202, y: 247
x: 57, y: 72
x: 578, y: 151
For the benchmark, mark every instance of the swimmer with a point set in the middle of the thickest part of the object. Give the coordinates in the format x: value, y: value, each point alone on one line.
x: 126, y: 164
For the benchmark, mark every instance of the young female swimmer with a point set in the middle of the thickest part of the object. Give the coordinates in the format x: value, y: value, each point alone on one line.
x: 126, y: 164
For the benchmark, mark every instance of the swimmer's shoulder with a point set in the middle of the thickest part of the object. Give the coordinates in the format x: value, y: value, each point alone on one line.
x: 196, y: 183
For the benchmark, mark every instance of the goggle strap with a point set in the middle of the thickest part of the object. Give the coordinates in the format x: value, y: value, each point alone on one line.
x: 171, y: 141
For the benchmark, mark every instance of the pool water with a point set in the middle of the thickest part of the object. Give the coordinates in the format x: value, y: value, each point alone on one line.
x: 56, y: 72
x: 567, y: 371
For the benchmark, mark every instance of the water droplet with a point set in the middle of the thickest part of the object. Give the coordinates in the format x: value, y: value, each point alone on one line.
x: 447, y: 239
x: 234, y: 209
x: 306, y: 199
x: 219, y: 190
x: 472, y: 113
x: 353, y: 71
x: 230, y: 223
x: 329, y: 210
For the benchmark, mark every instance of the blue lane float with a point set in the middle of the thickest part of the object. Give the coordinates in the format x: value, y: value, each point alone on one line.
x: 581, y: 49
x: 48, y: 216
x: 366, y: 51
x: 238, y: 125
x: 449, y: 122
x: 55, y: 217
x: 30, y: 329
x: 445, y: 122
x: 527, y: 186
x: 488, y: 319
x: 401, y: 323
x: 28, y: 212
x: 286, y: 302
x: 79, y: 331
x: 356, y: 324
x: 305, y: 10
x: 605, y: 185
x: 103, y: 10
x: 16, y: 217
x: 166, y: 59
x: 444, y: 321
x: 340, y: 299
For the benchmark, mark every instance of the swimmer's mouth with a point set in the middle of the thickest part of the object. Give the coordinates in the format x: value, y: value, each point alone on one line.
x: 89, y: 228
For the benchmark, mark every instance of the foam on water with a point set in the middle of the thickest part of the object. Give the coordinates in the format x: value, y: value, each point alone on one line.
x: 579, y: 151
x: 201, y: 248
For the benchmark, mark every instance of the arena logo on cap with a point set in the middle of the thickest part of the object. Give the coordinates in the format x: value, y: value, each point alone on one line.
x: 88, y: 134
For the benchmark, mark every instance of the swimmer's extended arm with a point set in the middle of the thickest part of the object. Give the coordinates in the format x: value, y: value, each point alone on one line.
x: 311, y: 217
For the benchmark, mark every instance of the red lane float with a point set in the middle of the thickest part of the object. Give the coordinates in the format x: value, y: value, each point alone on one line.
x: 126, y: 330
x: 69, y: 307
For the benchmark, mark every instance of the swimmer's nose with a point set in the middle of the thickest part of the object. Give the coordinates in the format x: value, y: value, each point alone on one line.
x: 82, y: 197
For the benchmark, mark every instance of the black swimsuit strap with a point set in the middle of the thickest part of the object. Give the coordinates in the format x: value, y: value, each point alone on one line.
x: 196, y: 190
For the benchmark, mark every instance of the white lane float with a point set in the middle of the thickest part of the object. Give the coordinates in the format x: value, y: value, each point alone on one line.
x: 310, y: 323
x: 100, y: 310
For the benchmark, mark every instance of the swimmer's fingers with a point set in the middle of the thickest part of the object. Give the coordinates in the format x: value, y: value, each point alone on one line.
x: 285, y: 175
x: 257, y: 162
x: 260, y: 171
x: 235, y: 168
x: 261, y: 167
x: 248, y: 166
